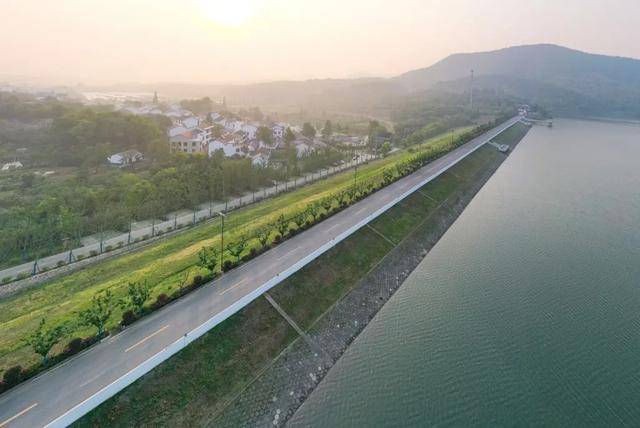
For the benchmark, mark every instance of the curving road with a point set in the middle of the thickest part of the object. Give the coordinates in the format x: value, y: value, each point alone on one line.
x: 68, y: 391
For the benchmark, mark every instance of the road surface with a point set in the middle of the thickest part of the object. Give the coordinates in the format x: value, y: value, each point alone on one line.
x: 65, y: 393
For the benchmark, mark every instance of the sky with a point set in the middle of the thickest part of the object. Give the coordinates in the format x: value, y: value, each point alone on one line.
x: 240, y: 41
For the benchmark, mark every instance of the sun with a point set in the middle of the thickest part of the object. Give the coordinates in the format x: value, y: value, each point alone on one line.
x: 230, y: 13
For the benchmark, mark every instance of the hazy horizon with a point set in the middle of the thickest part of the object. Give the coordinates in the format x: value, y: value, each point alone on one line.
x: 243, y: 41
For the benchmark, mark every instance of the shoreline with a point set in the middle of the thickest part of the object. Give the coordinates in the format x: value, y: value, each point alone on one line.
x: 276, y: 394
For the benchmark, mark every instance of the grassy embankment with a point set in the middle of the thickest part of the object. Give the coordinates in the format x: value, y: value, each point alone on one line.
x: 161, y: 265
x: 191, y: 387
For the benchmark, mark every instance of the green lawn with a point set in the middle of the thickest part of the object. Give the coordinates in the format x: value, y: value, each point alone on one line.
x: 160, y: 264
x: 192, y: 386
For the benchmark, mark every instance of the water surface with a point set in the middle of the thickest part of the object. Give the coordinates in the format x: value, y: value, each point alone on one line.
x: 527, y: 312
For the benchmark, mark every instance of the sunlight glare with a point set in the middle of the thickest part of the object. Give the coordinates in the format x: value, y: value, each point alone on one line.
x: 230, y: 13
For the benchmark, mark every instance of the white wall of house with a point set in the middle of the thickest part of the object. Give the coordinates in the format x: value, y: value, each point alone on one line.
x: 228, y: 149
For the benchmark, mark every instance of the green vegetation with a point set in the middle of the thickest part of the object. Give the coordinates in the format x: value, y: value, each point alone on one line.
x: 40, y: 216
x: 193, y: 386
x: 164, y: 264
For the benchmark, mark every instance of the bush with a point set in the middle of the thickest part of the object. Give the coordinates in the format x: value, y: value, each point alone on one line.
x: 80, y: 257
x: 93, y: 253
x: 253, y: 252
x: 24, y: 275
x: 12, y: 376
x: 161, y: 300
x: 120, y: 244
x: 6, y: 279
x: 108, y: 248
x: 197, y: 281
x: 277, y: 239
x: 74, y: 346
x: 60, y: 263
x: 128, y: 317
x: 145, y: 237
x: 227, y: 265
x: 159, y: 233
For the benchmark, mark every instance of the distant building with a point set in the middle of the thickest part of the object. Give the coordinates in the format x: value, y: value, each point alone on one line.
x: 190, y: 141
x: 10, y: 166
x: 226, y: 144
x: 125, y: 158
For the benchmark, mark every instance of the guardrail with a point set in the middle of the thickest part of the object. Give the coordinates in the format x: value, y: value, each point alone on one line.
x: 137, y: 236
x: 127, y: 379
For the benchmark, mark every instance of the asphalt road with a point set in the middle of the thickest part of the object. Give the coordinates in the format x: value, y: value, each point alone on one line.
x: 71, y: 389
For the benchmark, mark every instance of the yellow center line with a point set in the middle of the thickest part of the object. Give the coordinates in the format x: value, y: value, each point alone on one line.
x: 333, y: 227
x: 233, y: 286
x: 5, y: 423
x: 147, y: 338
x: 287, y: 253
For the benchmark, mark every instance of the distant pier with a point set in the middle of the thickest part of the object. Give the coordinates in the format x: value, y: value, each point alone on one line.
x: 546, y: 122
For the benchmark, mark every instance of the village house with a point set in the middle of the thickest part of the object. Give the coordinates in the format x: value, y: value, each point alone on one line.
x: 10, y: 166
x: 125, y: 158
x: 226, y: 144
x: 191, y: 141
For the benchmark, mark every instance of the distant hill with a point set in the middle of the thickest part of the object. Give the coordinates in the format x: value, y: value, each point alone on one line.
x: 563, y: 80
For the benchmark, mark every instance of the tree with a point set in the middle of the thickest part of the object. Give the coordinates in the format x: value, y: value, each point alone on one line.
x: 208, y: 257
x: 327, y: 131
x: 282, y: 224
x: 263, y: 235
x: 137, y: 294
x: 236, y: 248
x: 99, y: 312
x: 265, y: 134
x: 385, y: 149
x: 43, y: 339
x: 308, y: 130
x: 289, y: 137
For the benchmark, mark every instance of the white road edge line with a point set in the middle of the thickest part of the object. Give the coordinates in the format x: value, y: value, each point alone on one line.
x: 147, y: 338
x: 5, y: 423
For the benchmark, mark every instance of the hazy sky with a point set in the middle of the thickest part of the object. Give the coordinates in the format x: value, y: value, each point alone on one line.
x: 209, y: 41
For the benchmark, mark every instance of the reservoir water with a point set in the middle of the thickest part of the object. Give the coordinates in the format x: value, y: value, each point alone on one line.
x: 527, y: 312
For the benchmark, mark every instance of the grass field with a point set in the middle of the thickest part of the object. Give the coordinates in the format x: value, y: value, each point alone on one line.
x: 159, y: 264
x: 191, y: 387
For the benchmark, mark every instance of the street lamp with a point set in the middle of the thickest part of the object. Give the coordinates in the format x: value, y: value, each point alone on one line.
x: 222, y: 216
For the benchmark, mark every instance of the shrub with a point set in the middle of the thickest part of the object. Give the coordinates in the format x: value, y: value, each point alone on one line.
x: 80, y: 257
x: 93, y: 253
x: 6, y: 279
x: 161, y: 300
x: 128, y: 318
x: 159, y: 233
x: 108, y: 248
x: 60, y: 263
x: 120, y: 244
x: 277, y: 239
x: 169, y: 229
x: 74, y: 346
x: 145, y: 237
x: 197, y: 281
x: 253, y: 252
x: 12, y: 376
x: 227, y: 265
x: 23, y: 275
